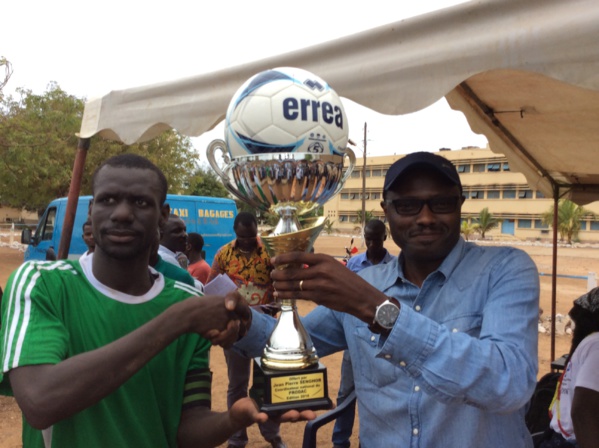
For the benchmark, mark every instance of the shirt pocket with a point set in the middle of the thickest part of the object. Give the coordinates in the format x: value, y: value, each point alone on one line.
x: 467, y: 323
x: 375, y: 371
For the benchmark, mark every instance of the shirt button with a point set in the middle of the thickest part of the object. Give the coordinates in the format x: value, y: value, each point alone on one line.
x: 402, y: 363
x: 372, y: 338
x: 417, y: 388
x: 417, y: 308
x: 387, y: 356
x: 455, y: 330
x: 415, y: 431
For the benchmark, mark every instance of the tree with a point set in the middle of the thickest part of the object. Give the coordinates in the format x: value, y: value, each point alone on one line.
x: 368, y: 216
x: 485, y: 222
x: 204, y: 182
x: 328, y: 226
x: 7, y: 73
x: 467, y: 229
x: 569, y: 216
x: 38, y: 143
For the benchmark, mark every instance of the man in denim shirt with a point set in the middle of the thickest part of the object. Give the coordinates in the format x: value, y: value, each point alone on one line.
x: 445, y: 335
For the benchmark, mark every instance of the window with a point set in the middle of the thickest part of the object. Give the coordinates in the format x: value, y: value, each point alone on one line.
x: 463, y: 168
x: 594, y: 225
x: 343, y: 218
x: 352, y: 195
x: 367, y: 173
x: 493, y: 167
x: 377, y: 173
x: 45, y: 230
x: 583, y: 225
x: 477, y: 195
x: 540, y: 195
x: 509, y: 194
x: 539, y: 224
x: 524, y: 223
x: 375, y: 196
x: 493, y: 194
x: 478, y: 167
x: 525, y: 194
x: 506, y: 166
x: 366, y: 195
x: 344, y: 195
x: 355, y: 174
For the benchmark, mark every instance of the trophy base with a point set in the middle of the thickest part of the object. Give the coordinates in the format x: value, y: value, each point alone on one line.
x: 279, y: 391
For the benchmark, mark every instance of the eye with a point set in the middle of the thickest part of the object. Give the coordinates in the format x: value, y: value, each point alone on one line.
x: 141, y: 202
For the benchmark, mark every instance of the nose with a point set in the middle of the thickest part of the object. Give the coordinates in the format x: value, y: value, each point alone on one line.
x: 122, y: 211
x: 426, y: 215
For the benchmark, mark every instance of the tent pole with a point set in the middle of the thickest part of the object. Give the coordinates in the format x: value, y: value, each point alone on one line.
x: 554, y: 272
x: 74, y: 189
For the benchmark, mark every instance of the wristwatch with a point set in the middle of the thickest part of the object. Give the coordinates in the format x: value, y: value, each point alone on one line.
x: 385, y: 316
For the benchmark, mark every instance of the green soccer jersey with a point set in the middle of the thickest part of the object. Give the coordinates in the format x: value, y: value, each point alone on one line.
x: 55, y: 310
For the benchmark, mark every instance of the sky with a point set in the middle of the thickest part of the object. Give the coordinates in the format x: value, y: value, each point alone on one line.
x: 90, y: 48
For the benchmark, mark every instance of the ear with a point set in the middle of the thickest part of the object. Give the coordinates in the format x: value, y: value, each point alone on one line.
x: 165, y: 211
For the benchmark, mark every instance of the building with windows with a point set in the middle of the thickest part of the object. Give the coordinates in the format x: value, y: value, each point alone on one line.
x: 487, y: 180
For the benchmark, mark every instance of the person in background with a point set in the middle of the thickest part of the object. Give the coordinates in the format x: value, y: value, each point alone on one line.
x: 104, y: 352
x: 446, y: 334
x: 575, y: 407
x: 173, y: 242
x: 247, y: 264
x: 375, y: 234
x: 88, y: 236
x: 198, y: 267
x: 170, y: 270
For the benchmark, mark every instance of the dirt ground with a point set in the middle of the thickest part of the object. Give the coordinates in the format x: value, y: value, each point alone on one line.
x: 578, y: 261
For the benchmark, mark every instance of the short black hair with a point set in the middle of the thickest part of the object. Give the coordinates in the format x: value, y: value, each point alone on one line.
x: 86, y: 223
x: 129, y: 160
x: 245, y: 219
x: 376, y: 225
x: 196, y: 241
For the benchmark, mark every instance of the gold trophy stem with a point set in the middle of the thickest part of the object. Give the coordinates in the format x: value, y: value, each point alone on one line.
x: 290, y: 346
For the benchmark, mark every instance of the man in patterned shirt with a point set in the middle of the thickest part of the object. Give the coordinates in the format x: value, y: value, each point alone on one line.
x: 247, y: 263
x: 107, y: 352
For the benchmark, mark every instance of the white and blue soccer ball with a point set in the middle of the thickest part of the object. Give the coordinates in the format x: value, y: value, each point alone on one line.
x: 285, y: 110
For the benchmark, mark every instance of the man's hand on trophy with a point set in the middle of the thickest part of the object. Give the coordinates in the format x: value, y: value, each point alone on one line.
x: 325, y: 281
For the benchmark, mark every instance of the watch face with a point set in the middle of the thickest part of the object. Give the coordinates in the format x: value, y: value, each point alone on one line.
x: 387, y: 314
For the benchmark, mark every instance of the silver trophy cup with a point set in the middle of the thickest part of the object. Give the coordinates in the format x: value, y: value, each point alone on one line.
x: 288, y: 185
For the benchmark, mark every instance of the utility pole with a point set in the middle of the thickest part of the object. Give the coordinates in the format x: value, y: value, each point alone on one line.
x: 364, y: 182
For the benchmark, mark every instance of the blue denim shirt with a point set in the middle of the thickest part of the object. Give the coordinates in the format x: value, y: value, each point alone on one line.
x: 361, y: 261
x: 460, y: 364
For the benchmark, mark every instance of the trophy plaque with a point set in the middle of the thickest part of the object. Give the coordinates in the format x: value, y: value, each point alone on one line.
x: 288, y: 174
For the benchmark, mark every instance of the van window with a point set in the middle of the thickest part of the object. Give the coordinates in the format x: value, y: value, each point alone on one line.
x: 46, y: 228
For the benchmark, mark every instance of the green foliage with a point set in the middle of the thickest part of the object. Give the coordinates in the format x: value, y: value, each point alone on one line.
x: 369, y: 216
x: 485, y: 222
x: 204, y: 182
x: 569, y: 216
x: 38, y: 144
x: 467, y: 229
x: 328, y: 226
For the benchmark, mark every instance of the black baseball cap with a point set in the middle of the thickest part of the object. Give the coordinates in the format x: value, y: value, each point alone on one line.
x: 426, y: 159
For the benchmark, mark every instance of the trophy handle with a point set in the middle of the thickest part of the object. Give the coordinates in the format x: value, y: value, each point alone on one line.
x: 351, y: 155
x: 210, y: 155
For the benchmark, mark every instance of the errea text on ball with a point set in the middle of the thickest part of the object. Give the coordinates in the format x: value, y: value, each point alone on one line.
x: 306, y: 110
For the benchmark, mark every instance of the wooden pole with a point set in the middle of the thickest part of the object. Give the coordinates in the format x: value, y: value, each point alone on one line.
x: 73, y: 198
x: 364, y: 184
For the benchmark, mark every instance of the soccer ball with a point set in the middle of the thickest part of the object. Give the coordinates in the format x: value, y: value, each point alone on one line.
x: 285, y: 110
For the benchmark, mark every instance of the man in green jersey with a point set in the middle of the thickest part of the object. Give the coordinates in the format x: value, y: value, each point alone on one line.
x: 107, y: 352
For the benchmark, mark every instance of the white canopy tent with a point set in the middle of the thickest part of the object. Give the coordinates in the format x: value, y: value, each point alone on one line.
x: 524, y: 73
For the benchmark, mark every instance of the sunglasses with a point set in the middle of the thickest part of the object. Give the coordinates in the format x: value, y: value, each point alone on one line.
x: 412, y: 206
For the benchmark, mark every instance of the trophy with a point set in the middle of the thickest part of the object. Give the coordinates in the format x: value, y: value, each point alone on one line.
x: 288, y: 175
